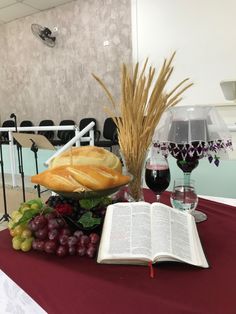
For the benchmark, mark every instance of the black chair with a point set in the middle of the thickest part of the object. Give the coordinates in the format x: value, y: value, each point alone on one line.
x: 65, y: 135
x: 109, y: 133
x: 83, y: 123
x: 26, y: 123
x: 4, y: 135
x: 48, y: 134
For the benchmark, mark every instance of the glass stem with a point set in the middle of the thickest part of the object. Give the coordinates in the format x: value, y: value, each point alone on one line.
x: 187, y: 178
x: 158, y: 196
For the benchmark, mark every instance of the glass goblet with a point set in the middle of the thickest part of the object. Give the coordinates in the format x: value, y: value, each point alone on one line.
x: 184, y: 197
x: 157, y: 175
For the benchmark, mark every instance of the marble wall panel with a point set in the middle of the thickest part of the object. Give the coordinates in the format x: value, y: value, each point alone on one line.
x: 38, y: 82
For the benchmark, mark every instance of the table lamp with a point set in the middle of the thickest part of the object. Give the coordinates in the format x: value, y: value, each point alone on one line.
x: 190, y: 133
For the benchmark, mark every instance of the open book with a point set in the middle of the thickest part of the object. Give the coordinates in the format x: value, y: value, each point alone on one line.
x: 140, y: 233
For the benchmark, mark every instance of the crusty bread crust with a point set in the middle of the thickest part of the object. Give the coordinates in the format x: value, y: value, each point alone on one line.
x: 89, y: 155
x: 80, y: 178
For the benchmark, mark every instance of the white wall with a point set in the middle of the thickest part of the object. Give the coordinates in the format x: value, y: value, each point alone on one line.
x: 203, y: 34
x: 38, y: 82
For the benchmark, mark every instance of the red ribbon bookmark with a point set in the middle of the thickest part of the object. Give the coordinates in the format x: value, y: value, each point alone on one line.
x: 151, y: 270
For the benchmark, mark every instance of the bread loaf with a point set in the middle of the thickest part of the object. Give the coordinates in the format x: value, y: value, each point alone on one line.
x: 80, y: 178
x: 90, y: 155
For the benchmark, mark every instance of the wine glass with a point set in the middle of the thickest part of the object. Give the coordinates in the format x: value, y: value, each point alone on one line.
x: 184, y: 197
x: 157, y: 174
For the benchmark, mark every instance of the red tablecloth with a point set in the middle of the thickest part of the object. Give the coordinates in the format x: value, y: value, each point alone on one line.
x: 80, y: 285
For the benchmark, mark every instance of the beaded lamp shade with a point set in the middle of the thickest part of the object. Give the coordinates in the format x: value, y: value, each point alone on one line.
x: 188, y: 132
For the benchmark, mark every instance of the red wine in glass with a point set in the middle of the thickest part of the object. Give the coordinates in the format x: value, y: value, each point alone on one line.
x: 157, y: 176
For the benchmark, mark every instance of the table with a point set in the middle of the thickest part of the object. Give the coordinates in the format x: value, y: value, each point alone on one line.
x: 80, y: 285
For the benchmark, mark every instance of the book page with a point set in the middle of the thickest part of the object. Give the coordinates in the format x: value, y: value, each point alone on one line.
x: 174, y: 235
x: 170, y: 233
x: 126, y: 232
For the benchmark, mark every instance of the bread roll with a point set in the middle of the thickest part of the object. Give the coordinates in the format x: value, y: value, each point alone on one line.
x: 80, y: 178
x: 89, y: 155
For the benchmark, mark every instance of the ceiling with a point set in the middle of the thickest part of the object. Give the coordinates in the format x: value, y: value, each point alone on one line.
x: 11, y: 10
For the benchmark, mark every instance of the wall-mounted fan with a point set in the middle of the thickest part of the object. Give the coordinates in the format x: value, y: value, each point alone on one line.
x: 44, y: 34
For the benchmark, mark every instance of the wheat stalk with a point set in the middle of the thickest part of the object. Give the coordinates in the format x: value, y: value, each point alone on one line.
x: 140, y: 110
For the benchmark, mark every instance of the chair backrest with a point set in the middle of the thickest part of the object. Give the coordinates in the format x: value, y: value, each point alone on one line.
x: 66, y: 135
x: 83, y: 123
x: 48, y: 134
x: 109, y: 129
x: 26, y: 123
x: 7, y: 124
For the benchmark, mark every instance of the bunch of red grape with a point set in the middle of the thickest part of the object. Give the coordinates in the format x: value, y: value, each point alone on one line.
x: 60, y: 202
x: 52, y: 235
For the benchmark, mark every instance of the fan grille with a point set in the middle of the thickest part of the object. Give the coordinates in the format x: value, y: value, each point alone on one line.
x: 44, y: 34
